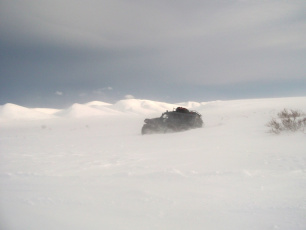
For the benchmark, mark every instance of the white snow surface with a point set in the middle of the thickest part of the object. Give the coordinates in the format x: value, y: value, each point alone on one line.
x: 88, y: 167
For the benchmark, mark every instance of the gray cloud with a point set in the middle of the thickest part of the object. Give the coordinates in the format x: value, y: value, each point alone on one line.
x: 136, y: 45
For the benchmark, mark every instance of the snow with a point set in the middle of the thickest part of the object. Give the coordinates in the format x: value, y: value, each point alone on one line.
x: 145, y: 107
x: 80, y: 111
x: 15, y: 112
x: 97, y: 103
x: 88, y: 167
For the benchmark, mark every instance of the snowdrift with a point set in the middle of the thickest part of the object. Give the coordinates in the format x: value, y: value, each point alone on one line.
x: 143, y: 108
x: 15, y: 112
x: 88, y: 167
x: 80, y: 111
x: 90, y: 109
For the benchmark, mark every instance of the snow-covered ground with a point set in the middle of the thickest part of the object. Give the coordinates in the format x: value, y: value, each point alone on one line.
x: 88, y: 167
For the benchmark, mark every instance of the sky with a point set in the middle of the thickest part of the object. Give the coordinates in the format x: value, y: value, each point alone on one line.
x: 59, y: 52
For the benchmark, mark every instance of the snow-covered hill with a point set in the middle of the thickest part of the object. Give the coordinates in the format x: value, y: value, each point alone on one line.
x: 15, y: 112
x: 88, y: 167
x: 90, y: 109
x: 144, y: 108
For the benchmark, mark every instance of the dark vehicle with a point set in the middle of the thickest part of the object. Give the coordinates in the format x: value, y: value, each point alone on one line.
x: 180, y: 119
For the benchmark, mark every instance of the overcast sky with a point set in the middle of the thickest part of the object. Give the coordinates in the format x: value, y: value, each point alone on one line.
x: 58, y: 52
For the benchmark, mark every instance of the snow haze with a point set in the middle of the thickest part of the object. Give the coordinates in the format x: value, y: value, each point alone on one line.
x: 88, y: 167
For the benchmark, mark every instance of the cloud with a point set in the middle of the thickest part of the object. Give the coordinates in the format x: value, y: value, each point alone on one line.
x: 82, y: 94
x: 102, y: 90
x: 129, y: 96
x: 59, y: 93
x: 141, y: 46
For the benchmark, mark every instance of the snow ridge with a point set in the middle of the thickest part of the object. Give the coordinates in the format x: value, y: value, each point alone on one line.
x: 137, y: 107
